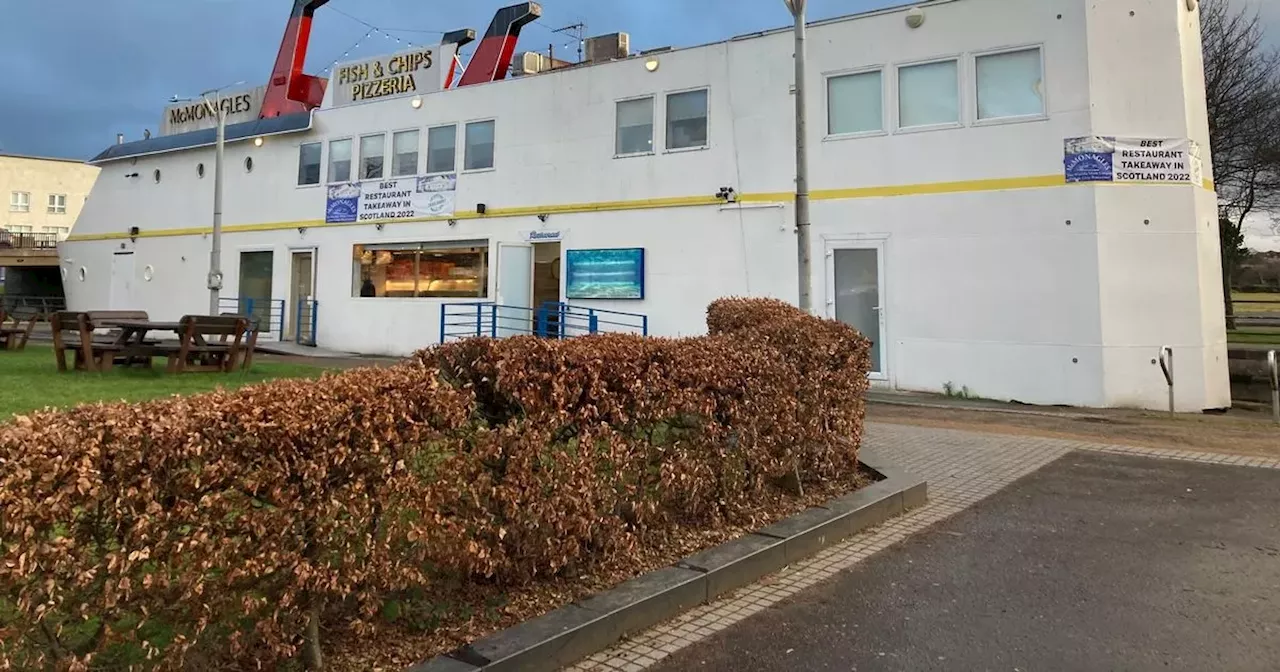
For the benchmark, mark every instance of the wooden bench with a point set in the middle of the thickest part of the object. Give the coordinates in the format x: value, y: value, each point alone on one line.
x: 15, y: 337
x: 250, y: 340
x: 72, y: 333
x: 205, y: 343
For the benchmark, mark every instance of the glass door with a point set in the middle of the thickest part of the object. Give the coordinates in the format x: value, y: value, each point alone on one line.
x: 256, y: 269
x: 514, y: 315
x: 855, y: 293
x: 302, y: 298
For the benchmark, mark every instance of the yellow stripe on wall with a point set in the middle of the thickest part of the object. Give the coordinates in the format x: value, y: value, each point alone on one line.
x: 963, y: 186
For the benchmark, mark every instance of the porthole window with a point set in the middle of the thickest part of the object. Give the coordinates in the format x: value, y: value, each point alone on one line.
x: 248, y: 164
x: 200, y: 170
x: 148, y: 272
x: 83, y: 272
x: 156, y: 175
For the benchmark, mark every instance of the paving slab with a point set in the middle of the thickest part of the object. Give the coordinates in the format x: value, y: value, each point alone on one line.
x: 1098, y: 561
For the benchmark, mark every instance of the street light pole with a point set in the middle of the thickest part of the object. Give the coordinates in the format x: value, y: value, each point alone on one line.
x: 215, y: 251
x: 803, y: 250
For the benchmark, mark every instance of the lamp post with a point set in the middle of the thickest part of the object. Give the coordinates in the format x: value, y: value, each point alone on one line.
x: 803, y: 251
x: 214, y: 279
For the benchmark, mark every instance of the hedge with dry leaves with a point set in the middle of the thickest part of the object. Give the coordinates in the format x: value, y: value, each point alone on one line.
x: 212, y: 531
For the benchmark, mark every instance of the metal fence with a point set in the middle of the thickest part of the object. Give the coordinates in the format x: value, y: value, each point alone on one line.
x: 44, y: 306
x: 10, y: 240
x: 550, y: 320
x: 268, y: 312
x: 304, y: 323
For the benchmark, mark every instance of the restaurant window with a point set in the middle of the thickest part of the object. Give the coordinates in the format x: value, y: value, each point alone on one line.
x: 58, y: 202
x: 635, y: 127
x: 687, y: 120
x: 442, y: 143
x: 928, y: 94
x: 855, y: 103
x: 1010, y: 84
x: 479, y: 147
x: 19, y: 201
x: 446, y: 270
x: 340, y: 161
x: 404, y: 153
x: 308, y: 164
x: 372, y: 154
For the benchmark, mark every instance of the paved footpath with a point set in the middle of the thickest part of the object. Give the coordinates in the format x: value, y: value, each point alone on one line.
x: 1032, y: 554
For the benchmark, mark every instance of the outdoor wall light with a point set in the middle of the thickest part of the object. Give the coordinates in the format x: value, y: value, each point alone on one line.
x: 544, y: 217
x: 133, y: 233
x: 915, y: 17
x: 652, y: 65
x: 257, y: 142
x: 416, y: 103
x: 130, y: 175
x: 1191, y: 5
x: 481, y: 208
x: 379, y: 226
x: 453, y: 222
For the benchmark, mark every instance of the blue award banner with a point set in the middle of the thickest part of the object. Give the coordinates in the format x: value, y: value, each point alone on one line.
x: 412, y: 197
x: 1102, y: 158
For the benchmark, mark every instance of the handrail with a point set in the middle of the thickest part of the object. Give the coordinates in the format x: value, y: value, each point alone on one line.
x: 1166, y: 365
x: 13, y: 240
x: 270, y: 312
x: 1273, y: 365
x: 550, y: 320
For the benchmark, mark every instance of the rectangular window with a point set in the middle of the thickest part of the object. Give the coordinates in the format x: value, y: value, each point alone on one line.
x: 687, y: 120
x: 57, y: 204
x: 635, y: 127
x: 404, y: 153
x: 479, y: 147
x: 19, y: 201
x: 855, y: 103
x: 60, y: 232
x: 372, y: 153
x: 309, y: 163
x: 442, y: 144
x: 1010, y: 84
x: 455, y: 269
x: 340, y: 161
x: 928, y: 94
x: 19, y: 228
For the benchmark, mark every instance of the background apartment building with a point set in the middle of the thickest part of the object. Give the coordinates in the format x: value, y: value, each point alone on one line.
x: 44, y: 195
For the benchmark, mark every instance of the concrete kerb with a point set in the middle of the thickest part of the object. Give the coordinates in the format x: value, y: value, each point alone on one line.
x: 566, y: 635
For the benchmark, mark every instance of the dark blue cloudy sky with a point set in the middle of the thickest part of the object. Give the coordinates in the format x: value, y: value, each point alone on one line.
x: 80, y: 71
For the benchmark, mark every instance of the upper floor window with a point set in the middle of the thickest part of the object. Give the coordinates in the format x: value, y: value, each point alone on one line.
x: 19, y: 201
x: 687, y: 120
x: 479, y: 147
x: 929, y: 94
x: 372, y: 155
x: 340, y: 160
x: 855, y: 103
x: 309, y: 163
x: 442, y: 144
x: 58, y: 204
x: 1010, y: 84
x: 635, y: 127
x: 61, y: 232
x: 404, y: 154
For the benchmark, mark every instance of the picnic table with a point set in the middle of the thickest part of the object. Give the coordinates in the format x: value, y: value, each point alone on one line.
x: 193, y: 349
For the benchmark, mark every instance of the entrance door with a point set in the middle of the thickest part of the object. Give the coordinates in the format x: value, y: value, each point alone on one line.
x: 855, y: 293
x: 546, y: 281
x: 255, y: 289
x: 302, y: 289
x: 122, y: 270
x: 515, y: 314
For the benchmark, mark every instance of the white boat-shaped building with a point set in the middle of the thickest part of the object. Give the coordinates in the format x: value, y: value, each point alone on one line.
x: 1010, y: 197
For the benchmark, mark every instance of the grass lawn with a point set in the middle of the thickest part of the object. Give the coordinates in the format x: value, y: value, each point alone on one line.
x: 29, y: 380
x: 1255, y: 336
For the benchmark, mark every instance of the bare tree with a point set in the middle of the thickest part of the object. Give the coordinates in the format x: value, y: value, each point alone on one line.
x: 1242, y: 88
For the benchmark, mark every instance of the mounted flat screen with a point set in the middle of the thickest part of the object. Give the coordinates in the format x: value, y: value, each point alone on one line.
x: 605, y: 274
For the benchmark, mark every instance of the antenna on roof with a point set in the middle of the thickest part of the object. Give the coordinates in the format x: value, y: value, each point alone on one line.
x: 578, y: 30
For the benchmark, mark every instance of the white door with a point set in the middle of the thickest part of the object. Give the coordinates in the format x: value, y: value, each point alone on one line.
x: 515, y: 313
x: 855, y: 293
x: 122, y: 270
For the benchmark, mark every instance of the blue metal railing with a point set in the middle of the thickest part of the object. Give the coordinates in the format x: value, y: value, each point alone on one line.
x: 269, y: 313
x: 304, y: 323
x: 550, y: 320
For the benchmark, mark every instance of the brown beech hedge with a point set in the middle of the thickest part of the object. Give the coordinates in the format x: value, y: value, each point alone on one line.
x: 226, y: 529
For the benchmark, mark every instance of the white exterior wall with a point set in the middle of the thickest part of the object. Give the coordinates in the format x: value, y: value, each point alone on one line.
x: 988, y: 289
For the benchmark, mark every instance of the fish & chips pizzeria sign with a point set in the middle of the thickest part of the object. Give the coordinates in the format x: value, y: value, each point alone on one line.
x: 406, y: 73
